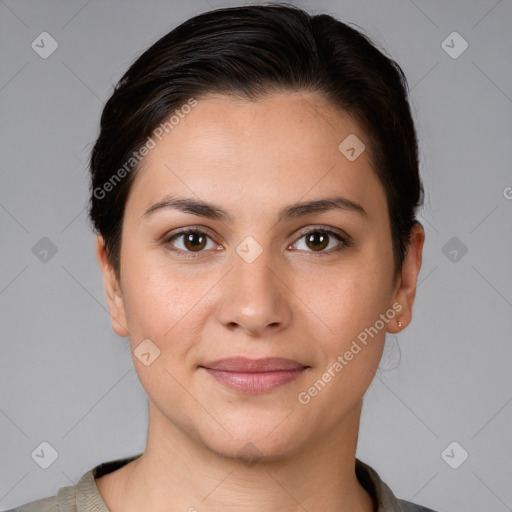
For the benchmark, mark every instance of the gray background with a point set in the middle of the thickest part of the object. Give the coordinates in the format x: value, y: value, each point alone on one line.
x: 68, y: 380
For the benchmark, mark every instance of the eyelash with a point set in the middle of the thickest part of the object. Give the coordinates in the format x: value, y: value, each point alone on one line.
x: 345, y: 242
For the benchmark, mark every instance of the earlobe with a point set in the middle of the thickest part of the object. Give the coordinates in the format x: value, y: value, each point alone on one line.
x: 406, y: 289
x: 113, y: 292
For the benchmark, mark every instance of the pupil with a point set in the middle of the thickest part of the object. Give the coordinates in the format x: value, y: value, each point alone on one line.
x: 323, y: 236
x: 190, y: 240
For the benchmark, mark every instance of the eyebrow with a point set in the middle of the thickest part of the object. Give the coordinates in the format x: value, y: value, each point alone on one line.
x: 212, y: 211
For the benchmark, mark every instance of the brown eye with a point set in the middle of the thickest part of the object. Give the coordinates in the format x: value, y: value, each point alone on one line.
x: 192, y: 241
x: 317, y: 240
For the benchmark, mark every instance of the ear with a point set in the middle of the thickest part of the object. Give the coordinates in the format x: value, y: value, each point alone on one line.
x: 115, y: 300
x: 405, y: 289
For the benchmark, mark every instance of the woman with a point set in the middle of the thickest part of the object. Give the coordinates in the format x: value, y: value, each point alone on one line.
x: 254, y: 191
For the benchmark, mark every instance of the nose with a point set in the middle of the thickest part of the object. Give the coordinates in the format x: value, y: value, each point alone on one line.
x: 254, y: 297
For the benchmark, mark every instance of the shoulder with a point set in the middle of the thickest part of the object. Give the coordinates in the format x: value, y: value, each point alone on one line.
x: 382, y: 495
x: 48, y: 504
x: 407, y: 506
x: 82, y: 497
x: 64, y: 501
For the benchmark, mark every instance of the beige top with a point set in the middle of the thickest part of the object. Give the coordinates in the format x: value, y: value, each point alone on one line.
x: 85, y: 497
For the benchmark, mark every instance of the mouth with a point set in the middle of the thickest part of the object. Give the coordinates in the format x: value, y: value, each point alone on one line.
x: 253, y: 376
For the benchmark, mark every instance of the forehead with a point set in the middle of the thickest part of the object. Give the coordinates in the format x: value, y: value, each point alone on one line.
x: 280, y: 148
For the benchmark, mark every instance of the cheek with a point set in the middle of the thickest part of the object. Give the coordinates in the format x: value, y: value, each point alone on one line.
x: 352, y: 349
x: 351, y: 297
x: 154, y: 297
x: 160, y: 308
x: 166, y: 304
x: 354, y: 297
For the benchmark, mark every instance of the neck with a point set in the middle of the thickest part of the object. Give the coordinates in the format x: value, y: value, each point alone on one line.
x: 178, y: 473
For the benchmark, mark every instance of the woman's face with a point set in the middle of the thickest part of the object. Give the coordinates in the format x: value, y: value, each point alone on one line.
x: 266, y: 279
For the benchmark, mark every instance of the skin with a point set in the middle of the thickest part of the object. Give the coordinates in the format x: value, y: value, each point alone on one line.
x: 252, y: 159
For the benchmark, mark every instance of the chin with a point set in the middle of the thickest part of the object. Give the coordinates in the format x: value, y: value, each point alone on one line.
x: 252, y: 440
x: 250, y: 452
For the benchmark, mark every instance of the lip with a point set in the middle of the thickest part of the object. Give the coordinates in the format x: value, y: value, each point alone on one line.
x: 247, y: 365
x: 254, y: 376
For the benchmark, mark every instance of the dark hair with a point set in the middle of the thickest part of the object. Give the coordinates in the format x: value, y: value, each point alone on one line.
x: 247, y: 52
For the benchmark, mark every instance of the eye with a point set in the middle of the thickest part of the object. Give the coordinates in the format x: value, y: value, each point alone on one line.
x: 193, y: 241
x: 320, y: 238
